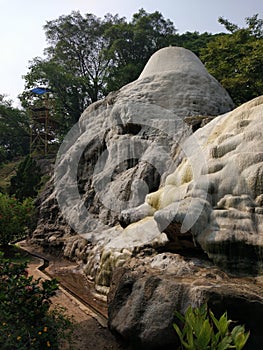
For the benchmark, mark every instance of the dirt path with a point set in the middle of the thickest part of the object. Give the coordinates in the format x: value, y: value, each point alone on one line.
x: 90, y: 330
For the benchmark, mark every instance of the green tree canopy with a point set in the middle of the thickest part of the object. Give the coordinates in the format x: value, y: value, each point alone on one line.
x: 195, y: 41
x: 14, y: 131
x: 74, y: 67
x: 131, y: 45
x: 236, y: 59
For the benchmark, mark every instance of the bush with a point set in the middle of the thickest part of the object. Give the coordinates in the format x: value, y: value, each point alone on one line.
x: 15, y: 218
x: 202, y: 331
x: 27, y: 180
x: 26, y: 321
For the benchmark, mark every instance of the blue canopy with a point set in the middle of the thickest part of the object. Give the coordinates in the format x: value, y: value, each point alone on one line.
x: 40, y: 90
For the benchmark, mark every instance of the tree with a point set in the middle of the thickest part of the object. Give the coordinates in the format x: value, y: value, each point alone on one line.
x: 132, y: 44
x: 27, y: 180
x: 74, y: 67
x: 195, y: 41
x: 14, y: 131
x: 236, y: 59
x: 15, y: 218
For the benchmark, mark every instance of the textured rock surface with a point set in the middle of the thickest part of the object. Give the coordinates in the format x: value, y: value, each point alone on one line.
x: 121, y: 150
x: 217, y: 196
x: 142, y: 301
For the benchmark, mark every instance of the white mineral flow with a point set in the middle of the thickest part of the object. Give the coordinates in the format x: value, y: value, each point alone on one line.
x: 224, y: 202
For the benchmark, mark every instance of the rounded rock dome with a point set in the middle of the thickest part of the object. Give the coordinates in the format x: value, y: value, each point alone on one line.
x: 174, y: 59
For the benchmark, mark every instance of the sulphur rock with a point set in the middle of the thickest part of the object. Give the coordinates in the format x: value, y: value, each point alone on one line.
x: 220, y: 200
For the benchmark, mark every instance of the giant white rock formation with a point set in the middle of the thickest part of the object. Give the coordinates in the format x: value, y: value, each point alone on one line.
x: 163, y: 164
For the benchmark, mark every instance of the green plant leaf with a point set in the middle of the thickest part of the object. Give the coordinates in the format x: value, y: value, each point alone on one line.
x: 204, y: 337
x: 178, y: 331
x: 224, y: 324
x: 214, y: 319
x: 224, y: 344
x: 179, y: 316
x: 240, y: 337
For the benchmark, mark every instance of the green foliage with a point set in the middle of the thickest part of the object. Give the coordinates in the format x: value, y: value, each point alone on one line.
x: 27, y: 180
x: 74, y: 67
x: 15, y: 218
x: 7, y: 170
x: 26, y: 321
x: 15, y: 254
x: 201, y: 330
x: 132, y: 44
x: 14, y: 131
x: 236, y: 59
x: 195, y: 41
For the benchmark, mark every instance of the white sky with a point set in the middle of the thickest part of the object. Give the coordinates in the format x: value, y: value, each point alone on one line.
x: 22, y: 36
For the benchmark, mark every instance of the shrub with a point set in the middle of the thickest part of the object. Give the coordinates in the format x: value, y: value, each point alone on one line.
x: 27, y: 180
x: 26, y: 321
x: 15, y: 218
x: 201, y: 330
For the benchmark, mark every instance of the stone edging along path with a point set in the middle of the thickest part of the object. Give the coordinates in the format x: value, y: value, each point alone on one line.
x: 46, y: 266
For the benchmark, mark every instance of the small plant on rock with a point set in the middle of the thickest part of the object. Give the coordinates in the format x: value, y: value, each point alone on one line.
x: 201, y: 330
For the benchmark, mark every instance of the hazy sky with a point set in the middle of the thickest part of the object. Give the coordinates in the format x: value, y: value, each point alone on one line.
x: 22, y: 36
